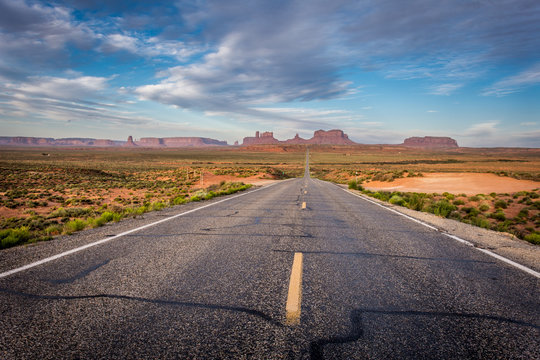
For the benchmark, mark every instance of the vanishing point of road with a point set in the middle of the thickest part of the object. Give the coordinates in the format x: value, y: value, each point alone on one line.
x: 301, y: 269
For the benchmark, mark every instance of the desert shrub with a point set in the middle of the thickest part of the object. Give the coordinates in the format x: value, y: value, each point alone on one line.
x: 523, y: 213
x: 500, y: 204
x: 382, y: 195
x: 498, y: 215
x: 480, y: 222
x: 474, y: 198
x: 484, y: 207
x: 53, y: 230
x: 533, y: 238
x: 416, y: 201
x: 534, y: 195
x: 493, y: 195
x: 448, y: 195
x: 397, y: 200
x: 353, y: 185
x: 536, y: 205
x: 459, y: 202
x: 74, y: 225
x: 442, y: 208
x: 471, y: 211
x: 179, y: 200
x: 12, y: 237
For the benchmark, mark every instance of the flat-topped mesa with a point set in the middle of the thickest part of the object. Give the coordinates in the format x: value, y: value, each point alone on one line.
x: 431, y: 142
x: 330, y: 137
x: 176, y: 142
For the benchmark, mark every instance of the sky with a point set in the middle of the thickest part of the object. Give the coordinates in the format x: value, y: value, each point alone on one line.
x: 381, y: 70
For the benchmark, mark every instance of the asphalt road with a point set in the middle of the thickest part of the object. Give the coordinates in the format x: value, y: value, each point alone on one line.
x: 214, y: 283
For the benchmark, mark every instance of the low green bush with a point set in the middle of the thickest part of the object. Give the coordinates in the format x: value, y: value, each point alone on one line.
x: 442, y: 208
x: 484, y: 207
x: 12, y: 237
x: 397, y: 200
x: 416, y: 201
x: 74, y: 225
x: 500, y: 204
x: 533, y: 238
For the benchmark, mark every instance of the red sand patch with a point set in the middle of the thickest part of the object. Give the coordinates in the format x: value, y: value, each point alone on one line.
x: 455, y: 183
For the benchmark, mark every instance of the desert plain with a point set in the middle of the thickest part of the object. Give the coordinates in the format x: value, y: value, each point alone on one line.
x: 48, y: 192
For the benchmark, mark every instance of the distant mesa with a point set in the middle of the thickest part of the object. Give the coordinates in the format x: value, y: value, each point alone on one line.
x: 176, y: 142
x: 171, y: 142
x: 320, y: 137
x: 430, y: 142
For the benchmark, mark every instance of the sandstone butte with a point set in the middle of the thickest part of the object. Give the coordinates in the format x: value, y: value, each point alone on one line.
x: 320, y: 137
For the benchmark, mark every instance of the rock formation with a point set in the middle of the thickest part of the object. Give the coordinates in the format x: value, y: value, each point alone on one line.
x: 266, y: 138
x: 129, y: 142
x: 430, y: 142
x: 320, y: 137
x: 331, y: 137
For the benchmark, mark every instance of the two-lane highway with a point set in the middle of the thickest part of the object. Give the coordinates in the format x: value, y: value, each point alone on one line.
x: 215, y: 283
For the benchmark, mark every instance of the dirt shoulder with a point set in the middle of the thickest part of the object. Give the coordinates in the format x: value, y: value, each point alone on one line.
x: 502, y: 244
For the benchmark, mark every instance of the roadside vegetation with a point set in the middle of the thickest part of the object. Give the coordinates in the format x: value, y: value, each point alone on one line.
x: 63, y: 191
x: 517, y: 214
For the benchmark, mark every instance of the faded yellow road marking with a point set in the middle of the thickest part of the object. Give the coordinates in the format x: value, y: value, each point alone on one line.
x: 294, y: 298
x: 304, y: 205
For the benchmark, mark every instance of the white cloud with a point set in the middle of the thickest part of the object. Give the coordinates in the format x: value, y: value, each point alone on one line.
x: 486, y: 129
x: 432, y: 111
x: 512, y: 84
x: 530, y: 123
x: 445, y: 89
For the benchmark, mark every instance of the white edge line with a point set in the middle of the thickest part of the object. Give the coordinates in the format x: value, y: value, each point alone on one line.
x: 72, y: 251
x: 487, y: 252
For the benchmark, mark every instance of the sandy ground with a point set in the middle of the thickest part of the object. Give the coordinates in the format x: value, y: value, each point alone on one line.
x: 455, y: 183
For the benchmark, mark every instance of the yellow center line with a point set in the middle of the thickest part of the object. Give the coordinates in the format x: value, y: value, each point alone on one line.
x: 304, y: 205
x: 294, y: 298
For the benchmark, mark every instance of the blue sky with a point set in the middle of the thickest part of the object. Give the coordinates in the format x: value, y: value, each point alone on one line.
x: 380, y: 70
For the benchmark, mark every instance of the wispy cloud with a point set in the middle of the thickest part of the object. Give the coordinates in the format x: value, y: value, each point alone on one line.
x: 512, y: 84
x: 445, y: 89
x: 485, y: 130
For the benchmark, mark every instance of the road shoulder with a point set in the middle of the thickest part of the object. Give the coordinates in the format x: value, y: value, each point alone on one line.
x: 503, y: 244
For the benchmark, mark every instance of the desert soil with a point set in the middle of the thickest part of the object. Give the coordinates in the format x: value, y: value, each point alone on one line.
x: 455, y: 183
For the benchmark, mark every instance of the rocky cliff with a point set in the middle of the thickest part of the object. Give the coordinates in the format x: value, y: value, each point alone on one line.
x: 430, y: 142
